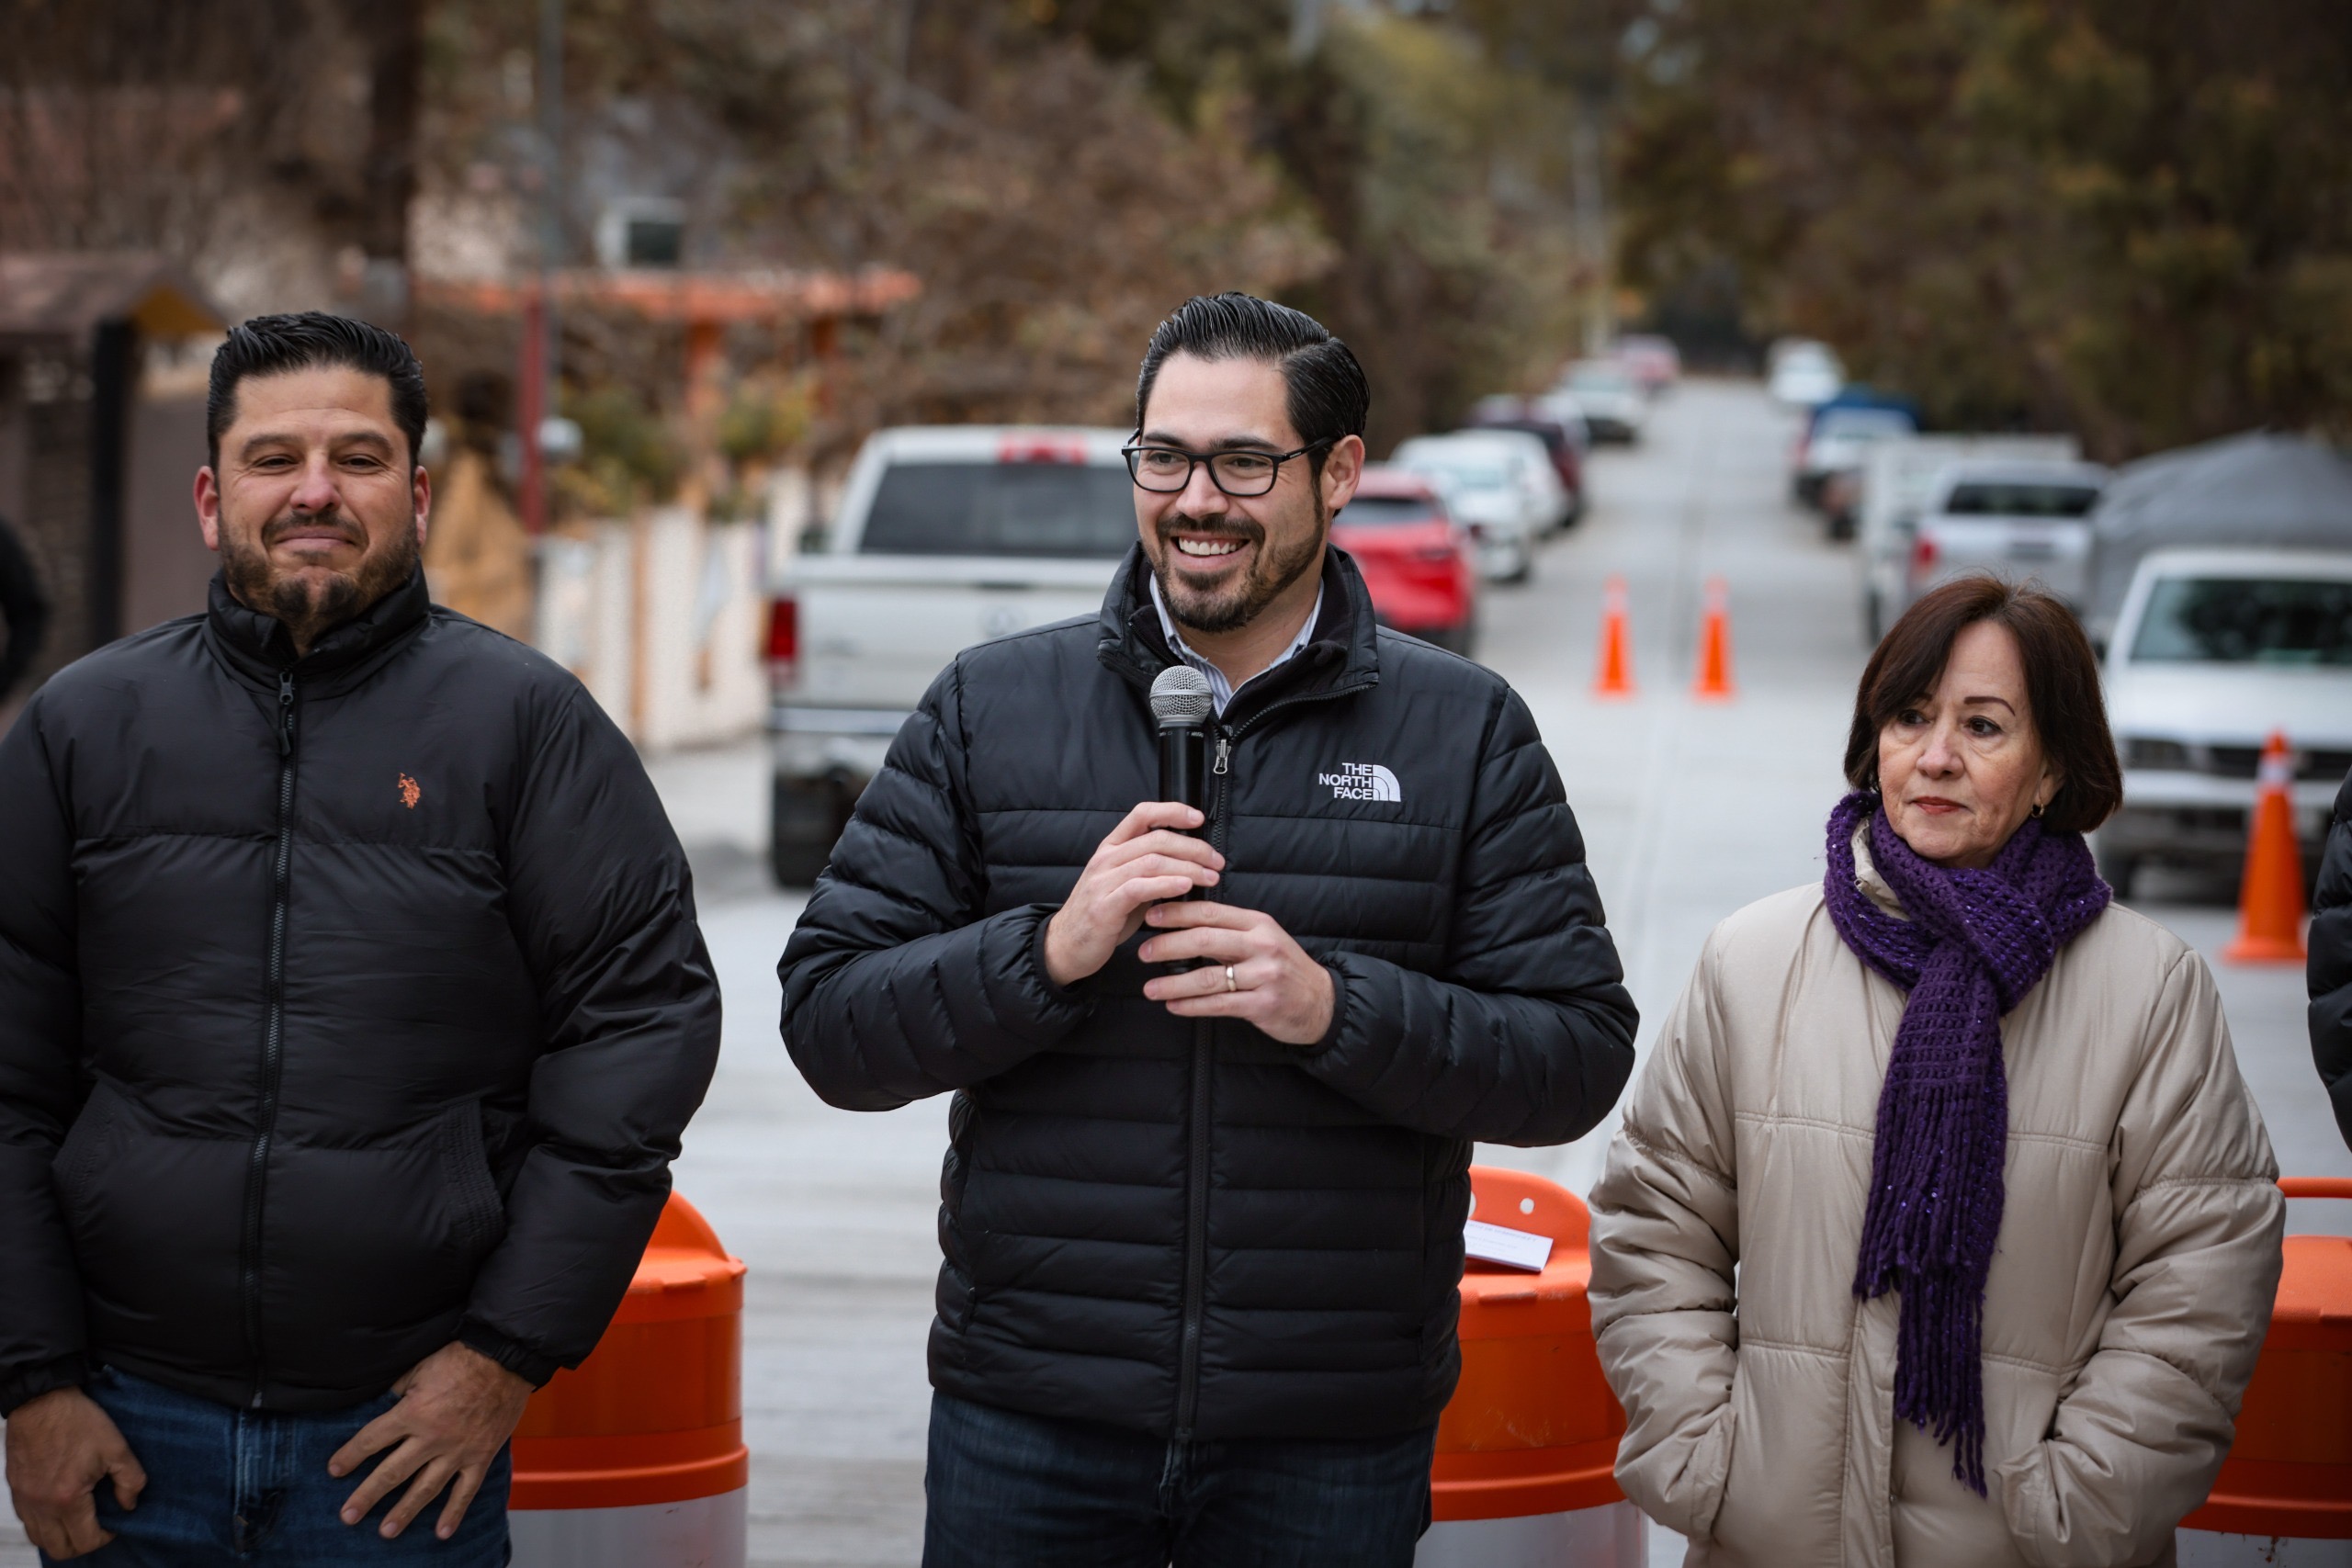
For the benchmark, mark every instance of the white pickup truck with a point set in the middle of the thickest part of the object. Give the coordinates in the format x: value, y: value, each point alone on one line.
x: 946, y: 536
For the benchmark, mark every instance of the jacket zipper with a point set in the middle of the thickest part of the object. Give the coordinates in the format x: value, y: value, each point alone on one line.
x: 1196, y: 1170
x: 1196, y: 1166
x: 273, y: 1034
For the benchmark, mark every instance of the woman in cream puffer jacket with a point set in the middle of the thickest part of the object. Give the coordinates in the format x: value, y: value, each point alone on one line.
x: 2137, y: 1251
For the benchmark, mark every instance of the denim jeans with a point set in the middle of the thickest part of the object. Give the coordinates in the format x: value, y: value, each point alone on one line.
x: 1010, y: 1491
x: 226, y: 1485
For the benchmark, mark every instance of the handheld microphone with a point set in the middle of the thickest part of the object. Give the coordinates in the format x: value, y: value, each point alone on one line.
x: 1180, y: 702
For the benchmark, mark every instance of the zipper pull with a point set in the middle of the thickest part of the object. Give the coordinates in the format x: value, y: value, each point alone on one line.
x: 285, y: 713
x: 1223, y: 750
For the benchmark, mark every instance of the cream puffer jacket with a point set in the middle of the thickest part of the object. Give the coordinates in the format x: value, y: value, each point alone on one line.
x: 2139, y: 1254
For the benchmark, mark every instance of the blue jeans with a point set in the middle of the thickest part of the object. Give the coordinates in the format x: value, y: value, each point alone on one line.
x: 1012, y: 1491
x: 226, y: 1485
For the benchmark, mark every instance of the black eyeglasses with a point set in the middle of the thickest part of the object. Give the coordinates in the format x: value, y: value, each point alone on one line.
x: 1167, y: 469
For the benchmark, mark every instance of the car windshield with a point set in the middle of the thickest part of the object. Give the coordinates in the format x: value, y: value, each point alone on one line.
x: 1992, y: 498
x: 1863, y: 424
x: 1599, y: 379
x: 1380, y: 510
x: 1001, y: 509
x: 2246, y: 620
x: 1468, y: 475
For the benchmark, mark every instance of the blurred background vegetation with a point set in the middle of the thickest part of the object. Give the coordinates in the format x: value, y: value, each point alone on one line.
x: 2131, y: 218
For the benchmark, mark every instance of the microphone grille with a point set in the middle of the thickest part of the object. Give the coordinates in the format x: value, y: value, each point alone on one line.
x: 1180, y: 695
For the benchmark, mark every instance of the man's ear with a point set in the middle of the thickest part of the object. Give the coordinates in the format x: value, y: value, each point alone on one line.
x: 208, y: 507
x: 1342, y: 469
x: 421, y: 498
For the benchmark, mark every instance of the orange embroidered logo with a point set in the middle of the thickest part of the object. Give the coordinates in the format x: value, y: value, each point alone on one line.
x: 411, y: 792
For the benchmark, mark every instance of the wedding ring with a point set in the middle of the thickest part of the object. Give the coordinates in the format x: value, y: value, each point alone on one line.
x: 1231, y: 983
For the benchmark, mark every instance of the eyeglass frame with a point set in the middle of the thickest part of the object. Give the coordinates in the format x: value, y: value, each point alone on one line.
x: 1195, y: 459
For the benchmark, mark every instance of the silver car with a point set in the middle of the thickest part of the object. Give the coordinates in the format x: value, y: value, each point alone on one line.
x: 2017, y: 520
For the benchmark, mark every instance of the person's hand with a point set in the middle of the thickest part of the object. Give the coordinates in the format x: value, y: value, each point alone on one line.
x: 61, y: 1446
x: 1253, y: 970
x: 1143, y: 861
x: 458, y: 1408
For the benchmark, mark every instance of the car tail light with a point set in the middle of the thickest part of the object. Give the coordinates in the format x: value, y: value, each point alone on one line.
x: 783, y: 641
x: 1925, y: 553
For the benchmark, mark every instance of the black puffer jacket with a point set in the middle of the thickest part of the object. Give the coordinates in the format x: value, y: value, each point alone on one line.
x: 370, y: 989
x: 2330, y: 964
x: 1179, y: 1226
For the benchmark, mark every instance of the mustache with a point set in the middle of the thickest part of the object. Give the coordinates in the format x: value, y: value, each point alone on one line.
x: 1225, y: 527
x: 276, y: 528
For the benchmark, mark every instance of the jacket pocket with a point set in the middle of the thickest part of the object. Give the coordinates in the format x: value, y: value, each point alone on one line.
x: 481, y: 1215
x: 85, y: 1146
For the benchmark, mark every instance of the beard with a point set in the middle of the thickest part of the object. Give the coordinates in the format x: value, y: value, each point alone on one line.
x: 1236, y: 605
x: 308, y: 603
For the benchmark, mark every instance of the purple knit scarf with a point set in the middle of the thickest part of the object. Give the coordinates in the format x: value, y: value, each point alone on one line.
x: 1975, y: 942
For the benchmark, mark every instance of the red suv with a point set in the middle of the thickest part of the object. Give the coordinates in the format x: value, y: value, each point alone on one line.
x: 1418, y: 562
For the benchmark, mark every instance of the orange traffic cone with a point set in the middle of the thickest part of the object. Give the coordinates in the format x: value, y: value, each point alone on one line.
x: 1616, y: 677
x: 1714, y: 684
x: 2270, y: 898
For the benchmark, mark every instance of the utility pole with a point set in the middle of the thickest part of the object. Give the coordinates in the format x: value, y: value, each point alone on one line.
x: 1592, y: 226
x: 542, y: 325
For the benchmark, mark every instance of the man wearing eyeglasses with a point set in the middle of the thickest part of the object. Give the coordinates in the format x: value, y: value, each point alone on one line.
x: 1215, y: 1075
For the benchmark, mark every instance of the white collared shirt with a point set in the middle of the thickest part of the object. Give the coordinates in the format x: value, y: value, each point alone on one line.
x: 1221, y: 689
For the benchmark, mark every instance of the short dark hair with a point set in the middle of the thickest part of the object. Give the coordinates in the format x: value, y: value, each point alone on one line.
x: 2060, y: 686
x: 312, y: 340
x: 1326, y: 396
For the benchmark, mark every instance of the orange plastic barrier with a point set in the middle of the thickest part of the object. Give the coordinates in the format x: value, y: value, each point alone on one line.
x: 655, y: 1413
x: 2271, y: 895
x: 1532, y: 1428
x: 2290, y: 1474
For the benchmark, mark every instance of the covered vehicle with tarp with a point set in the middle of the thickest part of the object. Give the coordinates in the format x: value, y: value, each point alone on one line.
x: 2259, y: 490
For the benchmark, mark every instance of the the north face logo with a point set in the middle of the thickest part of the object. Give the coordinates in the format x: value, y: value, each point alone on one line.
x: 1362, y: 780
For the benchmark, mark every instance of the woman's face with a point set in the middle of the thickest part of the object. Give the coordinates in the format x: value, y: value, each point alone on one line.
x: 1962, y: 767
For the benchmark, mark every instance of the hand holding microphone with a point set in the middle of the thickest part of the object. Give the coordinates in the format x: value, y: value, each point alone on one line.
x: 1152, y: 854
x: 1247, y: 966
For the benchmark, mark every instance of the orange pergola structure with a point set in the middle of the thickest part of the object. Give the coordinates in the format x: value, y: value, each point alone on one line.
x: 704, y: 303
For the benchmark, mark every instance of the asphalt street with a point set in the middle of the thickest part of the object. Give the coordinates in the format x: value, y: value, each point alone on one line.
x: 1690, y: 810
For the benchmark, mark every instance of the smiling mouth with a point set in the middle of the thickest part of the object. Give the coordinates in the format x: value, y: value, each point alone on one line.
x: 1208, y: 549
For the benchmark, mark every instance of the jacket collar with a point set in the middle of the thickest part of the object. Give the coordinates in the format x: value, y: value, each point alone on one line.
x: 1866, y: 875
x: 1342, y: 655
x: 259, y: 647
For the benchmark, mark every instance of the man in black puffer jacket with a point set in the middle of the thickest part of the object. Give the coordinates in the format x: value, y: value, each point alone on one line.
x: 1204, y: 1225
x: 2330, y: 964
x: 351, y: 1007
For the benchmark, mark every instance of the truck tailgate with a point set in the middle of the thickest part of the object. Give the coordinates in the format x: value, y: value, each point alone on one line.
x: 875, y: 630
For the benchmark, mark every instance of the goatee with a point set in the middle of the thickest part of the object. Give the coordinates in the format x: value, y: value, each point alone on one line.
x: 1231, y: 608
x: 308, y: 605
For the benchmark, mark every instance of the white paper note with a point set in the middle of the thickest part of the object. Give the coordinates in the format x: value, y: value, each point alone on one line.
x: 1496, y: 1244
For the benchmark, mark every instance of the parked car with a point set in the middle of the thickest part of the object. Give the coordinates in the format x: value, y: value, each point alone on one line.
x: 1803, y: 374
x: 2215, y: 649
x: 1650, y: 359
x: 1562, y: 408
x: 1559, y: 443
x: 945, y: 537
x: 2257, y: 491
x: 1420, y: 564
x: 1833, y: 448
x: 1500, y: 483
x: 1615, y: 408
x: 1895, y: 484
x: 2016, y: 519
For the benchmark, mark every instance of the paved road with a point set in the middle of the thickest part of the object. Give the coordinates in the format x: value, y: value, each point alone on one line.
x: 1691, y: 810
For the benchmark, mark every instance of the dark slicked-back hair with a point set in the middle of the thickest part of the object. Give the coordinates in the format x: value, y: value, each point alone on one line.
x: 1328, y: 396
x: 271, y: 346
x: 2060, y: 687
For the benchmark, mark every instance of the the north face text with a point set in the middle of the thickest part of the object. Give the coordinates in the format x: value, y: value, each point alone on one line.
x: 1362, y: 780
